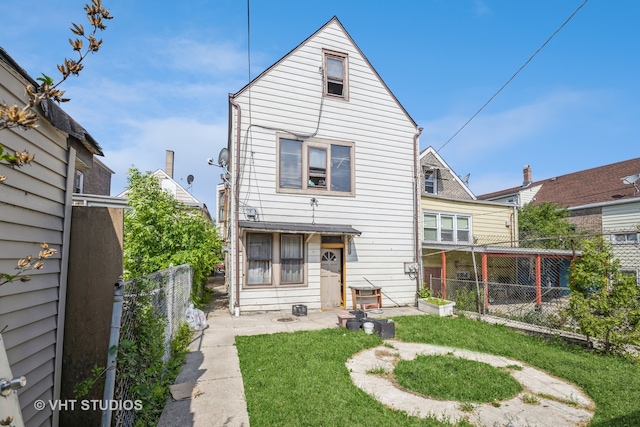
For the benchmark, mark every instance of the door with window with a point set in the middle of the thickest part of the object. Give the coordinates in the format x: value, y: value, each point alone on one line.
x: 331, y: 278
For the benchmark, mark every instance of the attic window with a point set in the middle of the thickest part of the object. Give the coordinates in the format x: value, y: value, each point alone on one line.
x: 430, y: 181
x: 335, y: 74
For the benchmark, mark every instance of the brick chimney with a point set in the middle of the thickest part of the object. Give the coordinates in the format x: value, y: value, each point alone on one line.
x: 526, y: 172
x: 168, y: 168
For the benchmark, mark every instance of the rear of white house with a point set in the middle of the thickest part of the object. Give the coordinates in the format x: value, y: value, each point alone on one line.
x: 321, y: 192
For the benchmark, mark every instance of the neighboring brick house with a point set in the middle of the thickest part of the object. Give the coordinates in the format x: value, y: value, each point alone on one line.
x: 589, y: 195
x: 605, y: 200
x: 93, y: 179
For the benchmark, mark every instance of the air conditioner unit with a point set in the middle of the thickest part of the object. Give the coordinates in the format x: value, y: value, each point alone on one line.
x: 251, y: 213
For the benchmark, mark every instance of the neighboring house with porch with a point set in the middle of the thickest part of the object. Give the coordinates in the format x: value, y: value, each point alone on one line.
x: 454, y: 224
x: 36, y: 207
x: 603, y: 200
x: 321, y: 195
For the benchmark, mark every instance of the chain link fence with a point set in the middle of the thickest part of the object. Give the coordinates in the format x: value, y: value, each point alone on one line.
x: 529, y: 285
x: 152, y: 304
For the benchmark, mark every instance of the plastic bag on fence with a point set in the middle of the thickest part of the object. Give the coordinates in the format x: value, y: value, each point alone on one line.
x: 195, y: 318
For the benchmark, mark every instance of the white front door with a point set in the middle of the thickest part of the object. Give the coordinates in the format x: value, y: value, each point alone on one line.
x: 331, y: 278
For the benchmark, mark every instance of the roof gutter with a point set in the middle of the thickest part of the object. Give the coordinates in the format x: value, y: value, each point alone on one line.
x: 236, y: 207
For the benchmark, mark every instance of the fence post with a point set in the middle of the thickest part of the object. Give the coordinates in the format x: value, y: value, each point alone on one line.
x: 538, y: 282
x: 112, y: 353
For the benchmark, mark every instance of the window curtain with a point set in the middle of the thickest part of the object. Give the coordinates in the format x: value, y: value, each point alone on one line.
x: 291, y: 254
x: 259, y: 259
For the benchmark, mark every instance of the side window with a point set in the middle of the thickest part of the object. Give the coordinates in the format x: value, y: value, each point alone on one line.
x: 78, y: 182
x: 430, y: 227
x: 341, y: 168
x: 290, y: 163
x: 335, y: 74
x: 259, y: 259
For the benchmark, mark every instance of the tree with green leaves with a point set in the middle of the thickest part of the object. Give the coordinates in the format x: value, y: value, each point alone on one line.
x: 546, y: 226
x: 161, y: 231
x: 603, y: 300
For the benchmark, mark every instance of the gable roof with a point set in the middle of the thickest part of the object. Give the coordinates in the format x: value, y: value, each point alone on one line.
x: 589, y: 186
x: 336, y: 21
x: 56, y: 115
x: 444, y: 165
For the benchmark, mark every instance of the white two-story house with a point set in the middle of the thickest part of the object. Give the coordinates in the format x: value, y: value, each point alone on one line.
x: 321, y: 192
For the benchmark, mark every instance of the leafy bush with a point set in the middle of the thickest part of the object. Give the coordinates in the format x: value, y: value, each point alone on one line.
x: 603, y: 300
x: 161, y: 231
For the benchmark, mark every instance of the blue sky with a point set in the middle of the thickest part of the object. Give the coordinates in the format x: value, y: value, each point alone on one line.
x: 162, y: 78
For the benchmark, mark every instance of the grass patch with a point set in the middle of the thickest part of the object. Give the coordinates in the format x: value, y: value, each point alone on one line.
x: 611, y: 381
x: 300, y: 379
x: 453, y: 378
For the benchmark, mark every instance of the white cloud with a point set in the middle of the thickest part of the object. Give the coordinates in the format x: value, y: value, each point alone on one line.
x: 489, y: 132
x: 143, y: 145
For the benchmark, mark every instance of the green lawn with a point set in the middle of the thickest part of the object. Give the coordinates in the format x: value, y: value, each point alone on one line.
x: 300, y: 379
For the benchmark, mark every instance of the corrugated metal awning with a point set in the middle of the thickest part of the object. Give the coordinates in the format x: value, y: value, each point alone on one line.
x: 293, y: 227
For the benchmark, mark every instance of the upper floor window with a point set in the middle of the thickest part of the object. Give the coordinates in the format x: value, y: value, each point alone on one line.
x: 449, y: 228
x: 335, y: 74
x: 431, y: 181
x: 309, y: 166
x: 624, y: 238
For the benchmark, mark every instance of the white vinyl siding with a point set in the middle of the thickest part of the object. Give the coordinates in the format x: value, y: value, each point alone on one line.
x: 380, y: 205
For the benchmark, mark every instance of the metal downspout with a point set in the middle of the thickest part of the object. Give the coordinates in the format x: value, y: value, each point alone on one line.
x: 416, y: 209
x: 236, y: 207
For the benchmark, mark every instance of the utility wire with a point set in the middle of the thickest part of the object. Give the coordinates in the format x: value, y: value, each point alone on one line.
x: 514, y: 75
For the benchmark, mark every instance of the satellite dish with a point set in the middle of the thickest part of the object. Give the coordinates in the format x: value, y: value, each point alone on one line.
x: 631, y: 179
x: 189, y: 179
x: 223, y: 157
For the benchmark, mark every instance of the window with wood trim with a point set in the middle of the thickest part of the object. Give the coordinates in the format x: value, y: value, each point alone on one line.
x: 313, y: 166
x: 335, y: 74
x: 258, y: 259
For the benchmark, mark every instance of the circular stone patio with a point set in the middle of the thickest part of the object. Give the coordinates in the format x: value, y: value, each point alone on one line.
x: 561, y: 403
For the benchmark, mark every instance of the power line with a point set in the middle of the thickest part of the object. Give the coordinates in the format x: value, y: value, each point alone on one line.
x: 514, y: 75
